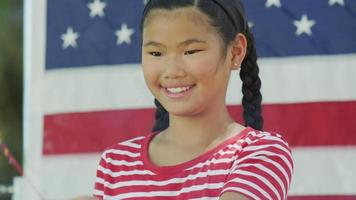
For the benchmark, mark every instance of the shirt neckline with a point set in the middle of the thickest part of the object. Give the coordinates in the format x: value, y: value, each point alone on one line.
x: 181, y: 166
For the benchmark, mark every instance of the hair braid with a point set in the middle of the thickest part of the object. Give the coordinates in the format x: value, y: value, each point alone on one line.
x: 251, y: 85
x: 161, y: 117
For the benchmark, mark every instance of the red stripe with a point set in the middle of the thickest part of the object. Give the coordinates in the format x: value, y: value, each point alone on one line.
x: 322, y: 198
x: 303, y: 124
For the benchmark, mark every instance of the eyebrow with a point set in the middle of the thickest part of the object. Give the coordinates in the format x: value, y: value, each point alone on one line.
x: 184, y: 43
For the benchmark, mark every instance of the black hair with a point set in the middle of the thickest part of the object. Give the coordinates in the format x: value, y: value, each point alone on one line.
x: 228, y: 18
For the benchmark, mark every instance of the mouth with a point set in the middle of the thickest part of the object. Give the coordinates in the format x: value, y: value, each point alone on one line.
x: 178, y: 92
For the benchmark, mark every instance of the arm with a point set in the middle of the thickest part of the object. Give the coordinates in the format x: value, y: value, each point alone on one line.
x: 232, y: 196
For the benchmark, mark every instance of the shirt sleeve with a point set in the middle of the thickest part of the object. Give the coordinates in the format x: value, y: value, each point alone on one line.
x: 100, y: 178
x: 263, y: 169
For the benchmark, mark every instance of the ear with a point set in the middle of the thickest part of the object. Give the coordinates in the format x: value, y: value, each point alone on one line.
x: 237, y: 51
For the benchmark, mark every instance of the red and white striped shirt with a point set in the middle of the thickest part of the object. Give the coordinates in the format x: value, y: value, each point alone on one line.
x: 256, y: 164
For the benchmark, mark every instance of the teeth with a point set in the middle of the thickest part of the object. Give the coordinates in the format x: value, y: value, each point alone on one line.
x: 178, y: 89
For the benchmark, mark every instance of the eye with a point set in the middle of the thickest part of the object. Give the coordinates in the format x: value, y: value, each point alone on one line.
x: 155, y: 53
x: 190, y: 52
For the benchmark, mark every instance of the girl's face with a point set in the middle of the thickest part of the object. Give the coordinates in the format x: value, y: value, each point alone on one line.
x: 184, y: 63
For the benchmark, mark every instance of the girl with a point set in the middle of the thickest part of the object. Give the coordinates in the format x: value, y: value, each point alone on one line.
x: 196, y: 150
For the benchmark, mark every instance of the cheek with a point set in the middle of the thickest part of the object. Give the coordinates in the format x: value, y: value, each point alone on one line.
x: 205, y: 68
x: 151, y: 72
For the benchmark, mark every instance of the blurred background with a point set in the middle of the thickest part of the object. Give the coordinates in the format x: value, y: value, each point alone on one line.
x: 11, y: 84
x: 74, y: 86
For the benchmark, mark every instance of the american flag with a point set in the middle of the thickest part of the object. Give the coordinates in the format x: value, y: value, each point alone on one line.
x: 84, y: 89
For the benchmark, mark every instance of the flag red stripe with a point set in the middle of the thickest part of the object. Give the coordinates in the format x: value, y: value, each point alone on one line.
x: 302, y: 124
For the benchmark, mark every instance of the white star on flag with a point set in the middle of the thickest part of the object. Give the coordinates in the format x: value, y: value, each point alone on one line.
x: 250, y: 24
x: 333, y: 2
x: 69, y: 38
x: 124, y: 34
x: 270, y: 3
x: 97, y: 8
x: 304, y: 25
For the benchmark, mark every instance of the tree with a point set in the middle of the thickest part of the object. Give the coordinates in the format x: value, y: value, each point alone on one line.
x: 11, y: 84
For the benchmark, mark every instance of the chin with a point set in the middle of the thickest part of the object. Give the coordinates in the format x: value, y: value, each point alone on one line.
x: 182, y: 111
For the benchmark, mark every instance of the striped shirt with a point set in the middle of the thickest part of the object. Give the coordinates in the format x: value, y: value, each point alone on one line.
x: 256, y: 164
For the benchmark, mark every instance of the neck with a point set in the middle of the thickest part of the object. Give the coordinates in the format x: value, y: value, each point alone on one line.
x: 200, y: 129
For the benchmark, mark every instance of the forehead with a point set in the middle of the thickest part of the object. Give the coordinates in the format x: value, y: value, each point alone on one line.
x: 189, y: 16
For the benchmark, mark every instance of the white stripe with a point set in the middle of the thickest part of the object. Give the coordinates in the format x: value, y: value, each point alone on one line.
x: 213, y: 161
x: 302, y: 79
x: 248, y: 140
x: 222, y: 152
x: 136, y: 139
x: 167, y: 193
x: 124, y: 173
x: 123, y: 162
x: 99, y: 180
x: 268, y: 153
x: 269, y: 136
x: 242, y: 191
x: 98, y: 192
x: 209, y: 173
x: 101, y: 88
x: 104, y: 88
x: 276, y: 164
x: 261, y: 178
x: 130, y: 143
x: 251, y: 184
x: 122, y: 152
x: 235, y: 147
x: 259, y: 147
x: 324, y: 170
x: 268, y: 171
x: 277, y: 139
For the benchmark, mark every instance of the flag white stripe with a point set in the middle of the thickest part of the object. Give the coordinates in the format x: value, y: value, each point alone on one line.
x: 298, y: 83
x: 324, y: 170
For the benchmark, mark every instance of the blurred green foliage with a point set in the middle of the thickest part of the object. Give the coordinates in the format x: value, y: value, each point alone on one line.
x: 11, y: 83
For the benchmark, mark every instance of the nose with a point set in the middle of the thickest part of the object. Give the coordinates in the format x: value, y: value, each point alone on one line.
x: 174, y: 68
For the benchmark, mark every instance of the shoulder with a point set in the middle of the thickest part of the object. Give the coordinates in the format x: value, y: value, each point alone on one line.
x: 263, y: 168
x: 255, y: 140
x: 127, y: 148
x: 252, y: 136
x: 267, y: 144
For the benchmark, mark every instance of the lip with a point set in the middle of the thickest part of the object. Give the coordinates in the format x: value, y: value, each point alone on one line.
x: 177, y: 95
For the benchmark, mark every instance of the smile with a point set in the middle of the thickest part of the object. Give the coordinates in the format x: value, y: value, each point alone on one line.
x: 178, y: 92
x: 178, y: 89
